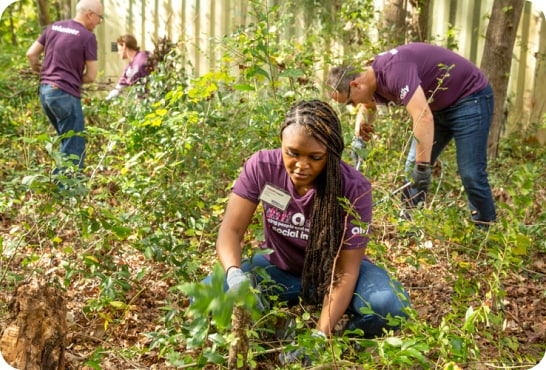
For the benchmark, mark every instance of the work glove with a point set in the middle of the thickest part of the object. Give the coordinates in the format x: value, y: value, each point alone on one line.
x: 421, y: 176
x: 115, y: 92
x: 358, y: 150
x: 302, y: 354
x: 236, y: 278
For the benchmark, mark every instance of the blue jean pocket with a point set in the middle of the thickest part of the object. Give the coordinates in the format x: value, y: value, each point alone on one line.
x: 60, y: 107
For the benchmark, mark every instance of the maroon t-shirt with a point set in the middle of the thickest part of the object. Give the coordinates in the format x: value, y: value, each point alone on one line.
x: 135, y: 70
x: 443, y: 74
x: 68, y: 45
x: 286, y: 231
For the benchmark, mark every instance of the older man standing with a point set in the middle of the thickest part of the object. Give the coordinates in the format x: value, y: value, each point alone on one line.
x: 70, y: 60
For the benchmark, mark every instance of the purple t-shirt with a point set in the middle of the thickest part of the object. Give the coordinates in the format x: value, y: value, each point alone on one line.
x: 135, y: 70
x: 286, y: 232
x: 400, y: 71
x: 68, y: 45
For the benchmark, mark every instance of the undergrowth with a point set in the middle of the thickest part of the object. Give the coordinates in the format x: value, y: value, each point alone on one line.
x: 157, y: 177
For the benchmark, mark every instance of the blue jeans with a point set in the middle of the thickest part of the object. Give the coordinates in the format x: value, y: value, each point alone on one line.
x: 374, y: 289
x: 410, y: 161
x: 468, y: 122
x: 65, y: 114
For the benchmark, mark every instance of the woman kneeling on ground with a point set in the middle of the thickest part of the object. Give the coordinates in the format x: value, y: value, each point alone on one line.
x: 310, y: 233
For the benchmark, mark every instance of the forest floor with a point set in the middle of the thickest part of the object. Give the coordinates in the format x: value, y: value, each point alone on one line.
x: 432, y: 283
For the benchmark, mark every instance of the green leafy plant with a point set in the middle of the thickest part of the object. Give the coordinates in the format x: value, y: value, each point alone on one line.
x: 134, y: 244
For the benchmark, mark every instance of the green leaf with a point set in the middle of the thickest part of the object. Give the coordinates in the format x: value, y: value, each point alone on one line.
x: 522, y: 244
x: 95, y: 365
x: 293, y: 73
x: 118, y: 305
x: 92, y: 259
x: 214, y: 357
x: 244, y: 87
x: 394, y: 341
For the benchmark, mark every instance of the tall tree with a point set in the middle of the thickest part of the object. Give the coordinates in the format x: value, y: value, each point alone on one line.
x: 497, y: 59
x: 420, y: 17
x: 394, y: 21
x: 43, y: 13
x: 64, y: 8
x: 405, y: 21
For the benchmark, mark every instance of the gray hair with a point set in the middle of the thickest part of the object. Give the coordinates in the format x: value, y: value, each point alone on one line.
x: 85, y: 5
x: 339, y: 78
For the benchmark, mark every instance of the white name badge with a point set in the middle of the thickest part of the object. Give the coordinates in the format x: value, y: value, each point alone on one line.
x: 275, y: 196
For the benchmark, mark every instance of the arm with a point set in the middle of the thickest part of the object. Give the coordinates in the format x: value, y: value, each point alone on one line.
x: 365, y: 118
x: 335, y: 304
x: 33, y: 55
x: 91, y: 69
x: 423, y: 125
x: 237, y: 217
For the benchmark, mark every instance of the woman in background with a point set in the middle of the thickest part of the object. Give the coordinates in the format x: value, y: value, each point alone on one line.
x: 137, y: 67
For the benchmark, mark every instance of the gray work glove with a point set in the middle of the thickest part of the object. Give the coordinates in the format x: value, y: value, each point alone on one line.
x: 236, y: 278
x: 303, y: 354
x: 115, y: 92
x: 421, y: 176
x: 358, y: 150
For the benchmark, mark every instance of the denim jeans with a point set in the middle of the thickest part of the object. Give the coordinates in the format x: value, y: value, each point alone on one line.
x: 410, y: 161
x: 65, y: 114
x: 374, y: 289
x: 468, y: 122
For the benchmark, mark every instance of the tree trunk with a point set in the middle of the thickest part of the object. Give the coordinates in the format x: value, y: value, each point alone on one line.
x: 43, y: 13
x: 238, y: 351
x: 12, y: 27
x: 420, y: 20
x: 394, y: 22
x: 65, y: 10
x: 35, y: 337
x: 497, y: 60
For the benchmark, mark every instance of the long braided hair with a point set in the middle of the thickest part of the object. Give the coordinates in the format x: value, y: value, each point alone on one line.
x: 322, y: 123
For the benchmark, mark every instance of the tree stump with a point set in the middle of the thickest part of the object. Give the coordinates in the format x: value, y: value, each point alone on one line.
x: 238, y: 351
x: 35, y: 337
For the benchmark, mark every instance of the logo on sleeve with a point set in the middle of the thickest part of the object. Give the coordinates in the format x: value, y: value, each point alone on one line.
x: 403, y: 92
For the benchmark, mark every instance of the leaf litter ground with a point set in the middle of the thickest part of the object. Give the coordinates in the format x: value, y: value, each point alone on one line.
x: 431, y: 270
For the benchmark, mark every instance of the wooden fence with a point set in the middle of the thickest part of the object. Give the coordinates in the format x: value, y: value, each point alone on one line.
x: 199, y: 23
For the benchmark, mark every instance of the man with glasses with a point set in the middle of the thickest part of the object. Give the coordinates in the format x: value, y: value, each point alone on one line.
x: 70, y: 60
x: 447, y: 97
